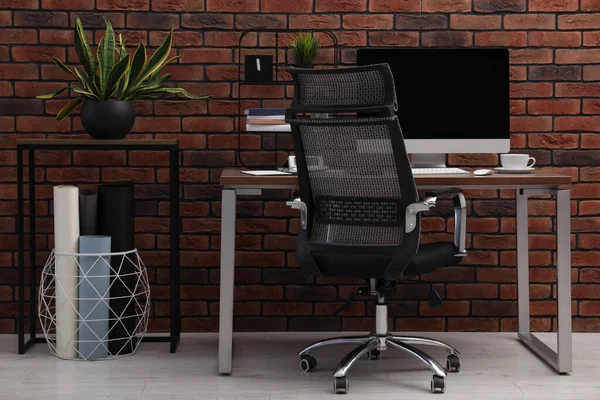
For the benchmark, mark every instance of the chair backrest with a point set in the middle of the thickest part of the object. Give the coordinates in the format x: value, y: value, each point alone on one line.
x: 354, y: 173
x: 365, y: 89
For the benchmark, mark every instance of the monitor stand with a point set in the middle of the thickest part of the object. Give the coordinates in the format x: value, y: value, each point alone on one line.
x: 428, y: 160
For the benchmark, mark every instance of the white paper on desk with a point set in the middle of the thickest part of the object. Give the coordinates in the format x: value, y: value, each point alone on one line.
x: 265, y: 173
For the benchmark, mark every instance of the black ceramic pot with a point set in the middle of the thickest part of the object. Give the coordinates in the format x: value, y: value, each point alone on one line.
x: 107, y: 119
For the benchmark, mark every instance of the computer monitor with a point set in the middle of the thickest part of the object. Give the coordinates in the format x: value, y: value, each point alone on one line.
x: 449, y: 100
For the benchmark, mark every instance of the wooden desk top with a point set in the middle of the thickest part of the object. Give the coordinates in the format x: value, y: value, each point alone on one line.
x: 234, y: 178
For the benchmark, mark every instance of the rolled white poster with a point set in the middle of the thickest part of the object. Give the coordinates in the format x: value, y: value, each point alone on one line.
x: 66, y: 240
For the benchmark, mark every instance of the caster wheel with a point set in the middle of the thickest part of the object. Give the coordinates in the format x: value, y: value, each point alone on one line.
x: 341, y: 385
x: 373, y: 354
x: 308, y: 363
x: 438, y: 384
x: 453, y: 364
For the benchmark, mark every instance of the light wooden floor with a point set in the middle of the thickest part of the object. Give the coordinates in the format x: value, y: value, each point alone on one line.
x: 494, y: 366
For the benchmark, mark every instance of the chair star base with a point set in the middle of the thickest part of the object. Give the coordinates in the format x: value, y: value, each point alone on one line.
x: 370, y: 346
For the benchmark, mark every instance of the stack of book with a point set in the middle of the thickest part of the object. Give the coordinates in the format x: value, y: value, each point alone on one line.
x: 266, y: 120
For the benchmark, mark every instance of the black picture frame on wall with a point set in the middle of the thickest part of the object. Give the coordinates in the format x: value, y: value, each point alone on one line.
x: 259, y: 69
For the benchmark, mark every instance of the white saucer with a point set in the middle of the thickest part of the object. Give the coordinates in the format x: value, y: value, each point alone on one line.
x: 503, y: 170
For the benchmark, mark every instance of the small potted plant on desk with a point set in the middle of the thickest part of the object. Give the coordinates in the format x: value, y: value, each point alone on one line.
x: 111, y: 81
x: 305, y: 49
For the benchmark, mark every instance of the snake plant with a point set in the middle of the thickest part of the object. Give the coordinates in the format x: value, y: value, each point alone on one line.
x: 305, y: 48
x: 113, y: 74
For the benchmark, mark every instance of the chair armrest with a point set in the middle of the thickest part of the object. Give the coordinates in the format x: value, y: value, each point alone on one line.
x: 450, y: 192
x: 298, y: 204
x: 460, y: 215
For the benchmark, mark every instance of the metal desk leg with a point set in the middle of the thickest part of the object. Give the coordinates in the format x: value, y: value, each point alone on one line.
x: 561, y: 361
x: 228, y: 222
x: 563, y: 278
x: 523, y: 262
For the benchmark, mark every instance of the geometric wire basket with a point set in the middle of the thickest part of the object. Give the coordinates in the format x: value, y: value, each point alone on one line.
x: 80, y: 319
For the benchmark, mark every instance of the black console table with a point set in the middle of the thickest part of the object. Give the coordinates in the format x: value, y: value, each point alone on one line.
x: 30, y: 146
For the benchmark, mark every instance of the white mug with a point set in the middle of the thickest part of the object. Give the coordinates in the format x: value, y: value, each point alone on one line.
x: 292, y: 162
x: 517, y: 161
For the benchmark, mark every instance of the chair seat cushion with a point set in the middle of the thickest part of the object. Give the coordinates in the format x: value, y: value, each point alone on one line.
x: 432, y: 256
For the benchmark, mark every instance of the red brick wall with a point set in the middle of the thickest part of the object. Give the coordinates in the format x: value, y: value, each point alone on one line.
x: 556, y: 113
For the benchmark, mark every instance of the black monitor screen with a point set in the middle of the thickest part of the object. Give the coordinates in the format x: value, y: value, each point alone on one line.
x: 448, y: 93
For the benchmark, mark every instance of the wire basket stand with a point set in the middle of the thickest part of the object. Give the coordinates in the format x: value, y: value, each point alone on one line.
x: 81, y: 303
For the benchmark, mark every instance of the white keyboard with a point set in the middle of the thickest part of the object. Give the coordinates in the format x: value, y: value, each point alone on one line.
x: 436, y: 171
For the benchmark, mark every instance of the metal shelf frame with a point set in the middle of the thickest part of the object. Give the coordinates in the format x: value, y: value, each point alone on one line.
x: 276, y: 65
x: 29, y: 146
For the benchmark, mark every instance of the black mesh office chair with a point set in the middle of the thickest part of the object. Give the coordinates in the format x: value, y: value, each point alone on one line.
x: 360, y: 211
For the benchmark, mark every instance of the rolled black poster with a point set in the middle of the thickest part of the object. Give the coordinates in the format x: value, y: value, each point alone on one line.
x: 88, y: 212
x: 116, y: 219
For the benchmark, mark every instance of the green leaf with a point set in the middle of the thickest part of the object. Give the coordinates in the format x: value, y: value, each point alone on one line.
x: 96, y: 84
x: 86, y: 82
x: 52, y: 95
x: 157, y: 60
x: 89, y: 84
x: 121, y: 87
x: 124, y: 83
x: 84, y: 93
x: 150, y: 85
x: 153, y: 83
x: 122, y: 51
x: 189, y: 95
x: 161, y: 80
x: 66, y: 110
x: 137, y: 66
x: 101, y: 65
x: 62, y: 66
x: 138, y: 63
x: 115, y: 76
x: 82, y: 48
x: 175, y: 91
x: 164, y: 78
x: 170, y: 60
x: 155, y: 77
x: 151, y: 80
x: 106, y: 56
x: 154, y: 80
